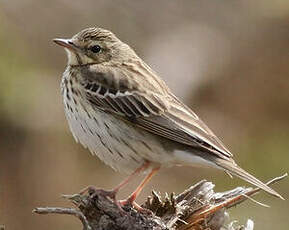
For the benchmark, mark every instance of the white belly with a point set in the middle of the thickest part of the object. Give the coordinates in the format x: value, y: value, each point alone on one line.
x: 119, y: 145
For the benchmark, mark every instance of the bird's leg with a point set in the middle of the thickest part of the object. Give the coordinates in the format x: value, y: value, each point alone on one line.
x: 131, y: 176
x: 112, y: 193
x: 131, y: 199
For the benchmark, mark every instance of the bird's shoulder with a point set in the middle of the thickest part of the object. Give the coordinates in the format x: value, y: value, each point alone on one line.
x: 132, y: 75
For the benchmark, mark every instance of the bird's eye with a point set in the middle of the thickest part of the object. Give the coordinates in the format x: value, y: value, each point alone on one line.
x: 95, y: 49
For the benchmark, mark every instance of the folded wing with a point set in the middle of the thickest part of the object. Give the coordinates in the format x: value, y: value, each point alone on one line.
x: 158, y: 113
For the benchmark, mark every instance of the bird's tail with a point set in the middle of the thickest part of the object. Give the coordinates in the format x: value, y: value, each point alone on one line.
x: 234, y: 169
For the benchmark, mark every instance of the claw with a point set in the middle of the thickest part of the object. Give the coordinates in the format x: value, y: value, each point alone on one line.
x: 129, y: 202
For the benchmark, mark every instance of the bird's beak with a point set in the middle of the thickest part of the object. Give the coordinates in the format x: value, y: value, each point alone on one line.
x: 66, y: 43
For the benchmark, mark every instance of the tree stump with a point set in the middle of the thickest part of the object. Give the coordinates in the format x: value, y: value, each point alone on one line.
x: 197, y: 208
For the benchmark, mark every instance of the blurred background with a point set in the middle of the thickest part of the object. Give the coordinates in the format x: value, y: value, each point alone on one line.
x: 228, y: 60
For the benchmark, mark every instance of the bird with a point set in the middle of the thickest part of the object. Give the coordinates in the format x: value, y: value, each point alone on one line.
x: 124, y: 113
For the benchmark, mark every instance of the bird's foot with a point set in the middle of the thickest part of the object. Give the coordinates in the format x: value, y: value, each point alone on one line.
x: 132, y: 203
x: 92, y: 190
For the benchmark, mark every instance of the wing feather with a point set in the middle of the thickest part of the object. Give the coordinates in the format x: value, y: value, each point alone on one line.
x: 160, y: 114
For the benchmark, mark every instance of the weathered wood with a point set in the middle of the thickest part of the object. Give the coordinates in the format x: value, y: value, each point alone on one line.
x: 198, y: 208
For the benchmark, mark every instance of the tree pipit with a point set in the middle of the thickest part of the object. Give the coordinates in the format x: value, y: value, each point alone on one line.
x: 124, y: 113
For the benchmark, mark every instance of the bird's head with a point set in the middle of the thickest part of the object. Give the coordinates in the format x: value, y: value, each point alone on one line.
x: 95, y: 46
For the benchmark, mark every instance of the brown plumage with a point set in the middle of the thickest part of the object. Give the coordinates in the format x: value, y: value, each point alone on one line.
x: 124, y: 113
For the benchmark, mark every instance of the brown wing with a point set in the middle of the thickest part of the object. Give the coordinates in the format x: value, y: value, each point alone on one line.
x: 161, y: 114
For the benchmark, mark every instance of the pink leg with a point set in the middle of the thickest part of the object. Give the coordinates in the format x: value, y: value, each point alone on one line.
x: 113, y: 192
x: 131, y: 176
x: 131, y: 199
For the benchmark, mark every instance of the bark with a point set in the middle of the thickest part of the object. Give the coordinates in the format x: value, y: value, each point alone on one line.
x: 198, y: 208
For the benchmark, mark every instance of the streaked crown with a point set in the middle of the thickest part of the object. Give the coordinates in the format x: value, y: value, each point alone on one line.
x: 95, y: 46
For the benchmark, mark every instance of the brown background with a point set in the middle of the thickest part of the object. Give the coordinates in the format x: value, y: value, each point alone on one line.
x: 227, y: 59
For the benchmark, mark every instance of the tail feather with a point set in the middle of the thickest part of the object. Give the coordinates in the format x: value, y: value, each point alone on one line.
x: 234, y: 169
